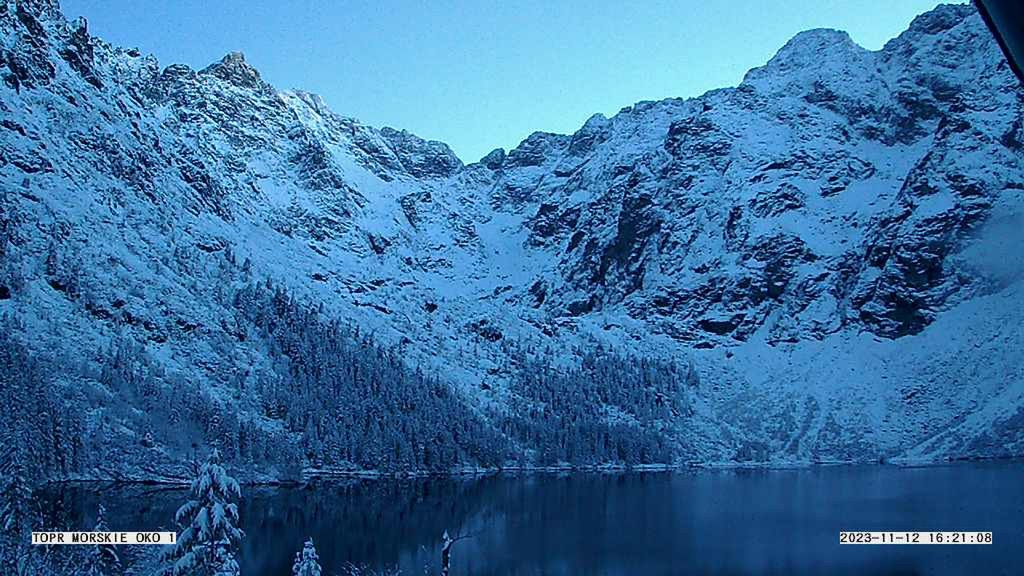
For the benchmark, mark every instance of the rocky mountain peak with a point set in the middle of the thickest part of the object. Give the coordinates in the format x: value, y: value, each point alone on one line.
x: 949, y: 36
x: 816, y: 46
x: 314, y: 101
x: 819, y: 56
x: 942, y: 18
x: 234, y: 69
x: 46, y: 9
x: 422, y: 158
x: 494, y: 159
x: 537, y: 149
x: 80, y: 25
x: 591, y: 134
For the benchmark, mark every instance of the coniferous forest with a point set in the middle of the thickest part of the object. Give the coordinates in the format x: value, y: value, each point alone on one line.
x: 329, y: 399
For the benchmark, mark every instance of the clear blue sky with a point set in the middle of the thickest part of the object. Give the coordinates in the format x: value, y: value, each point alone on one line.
x: 479, y: 74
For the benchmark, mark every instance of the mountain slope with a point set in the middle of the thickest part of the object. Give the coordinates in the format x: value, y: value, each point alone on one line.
x: 821, y: 257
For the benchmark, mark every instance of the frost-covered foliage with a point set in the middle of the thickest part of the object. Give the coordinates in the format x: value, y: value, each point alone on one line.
x: 307, y: 563
x: 209, y: 522
x: 330, y: 397
x: 38, y: 440
x: 353, y: 402
x: 350, y: 569
x: 15, y: 500
x: 40, y: 437
x: 85, y: 418
x: 16, y: 487
x: 104, y: 559
x: 224, y: 560
x: 608, y: 409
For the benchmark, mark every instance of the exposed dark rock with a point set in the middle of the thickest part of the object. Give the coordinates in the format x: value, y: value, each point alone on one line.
x: 422, y: 158
x: 378, y: 243
x: 581, y: 307
x: 485, y: 330
x: 495, y: 159
x: 78, y: 54
x: 552, y: 221
x: 776, y: 201
x: 536, y: 149
x: 721, y: 326
x: 234, y: 69
x: 539, y: 293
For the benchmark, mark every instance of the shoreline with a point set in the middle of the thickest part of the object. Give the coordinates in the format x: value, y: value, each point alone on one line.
x: 313, y: 477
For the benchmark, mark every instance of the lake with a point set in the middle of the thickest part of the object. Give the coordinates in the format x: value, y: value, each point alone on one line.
x: 728, y: 522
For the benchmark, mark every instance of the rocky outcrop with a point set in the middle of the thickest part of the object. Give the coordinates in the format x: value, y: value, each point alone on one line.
x: 235, y: 70
x: 422, y: 158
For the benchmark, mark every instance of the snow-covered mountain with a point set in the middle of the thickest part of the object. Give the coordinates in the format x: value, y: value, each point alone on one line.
x: 831, y: 249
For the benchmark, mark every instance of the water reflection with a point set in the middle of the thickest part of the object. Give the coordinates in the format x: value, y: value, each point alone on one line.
x: 706, y: 522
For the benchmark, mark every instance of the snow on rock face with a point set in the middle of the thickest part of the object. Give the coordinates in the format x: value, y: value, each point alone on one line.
x: 813, y: 180
x: 827, y: 209
x: 422, y: 158
x: 234, y: 69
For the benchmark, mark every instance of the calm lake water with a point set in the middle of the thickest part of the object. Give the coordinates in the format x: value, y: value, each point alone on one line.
x: 703, y: 522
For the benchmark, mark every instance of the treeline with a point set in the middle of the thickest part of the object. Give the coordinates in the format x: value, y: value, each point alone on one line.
x: 354, y: 402
x: 278, y: 385
x: 44, y: 430
x: 324, y: 395
x: 605, y: 408
x: 117, y: 414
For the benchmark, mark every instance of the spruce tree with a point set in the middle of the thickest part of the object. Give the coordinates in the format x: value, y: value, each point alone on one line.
x: 104, y: 560
x: 15, y: 500
x: 225, y: 560
x: 15, y: 487
x: 209, y: 521
x: 307, y: 563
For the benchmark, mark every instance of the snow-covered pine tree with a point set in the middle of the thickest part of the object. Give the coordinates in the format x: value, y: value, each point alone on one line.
x: 15, y: 487
x: 307, y: 563
x: 225, y: 560
x: 15, y: 509
x: 15, y: 464
x: 209, y: 524
x: 103, y: 560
